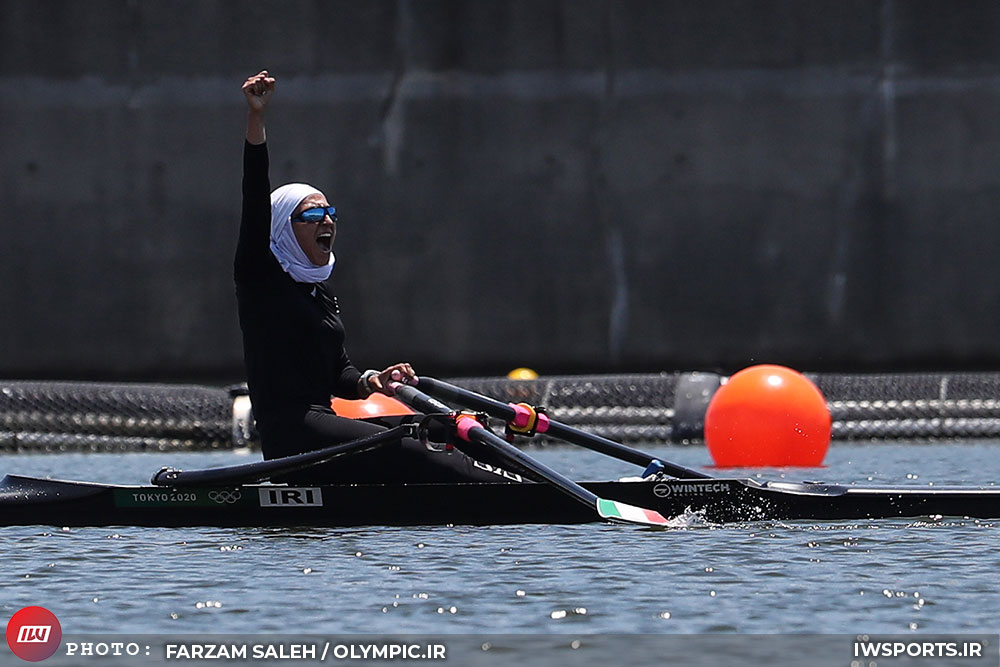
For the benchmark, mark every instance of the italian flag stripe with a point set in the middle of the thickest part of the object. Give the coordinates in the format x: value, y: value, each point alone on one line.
x: 612, y: 509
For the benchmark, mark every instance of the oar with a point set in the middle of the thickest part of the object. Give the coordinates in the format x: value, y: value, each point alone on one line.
x: 519, y: 416
x: 260, y: 470
x: 470, y: 429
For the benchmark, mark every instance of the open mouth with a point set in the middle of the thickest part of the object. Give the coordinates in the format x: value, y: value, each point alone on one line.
x: 325, y: 241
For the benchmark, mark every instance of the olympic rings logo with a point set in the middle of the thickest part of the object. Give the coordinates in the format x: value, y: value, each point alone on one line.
x: 225, y: 497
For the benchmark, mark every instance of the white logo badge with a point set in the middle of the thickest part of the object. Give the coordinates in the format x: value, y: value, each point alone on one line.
x: 33, y: 634
x: 291, y: 497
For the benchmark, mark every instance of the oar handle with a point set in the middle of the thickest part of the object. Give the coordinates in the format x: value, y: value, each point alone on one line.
x: 418, y: 399
x: 509, y: 413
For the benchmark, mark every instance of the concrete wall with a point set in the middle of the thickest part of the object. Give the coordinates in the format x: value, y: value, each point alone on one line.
x: 574, y: 185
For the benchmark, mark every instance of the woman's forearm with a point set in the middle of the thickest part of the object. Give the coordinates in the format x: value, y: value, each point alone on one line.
x: 257, y: 90
x: 255, y: 128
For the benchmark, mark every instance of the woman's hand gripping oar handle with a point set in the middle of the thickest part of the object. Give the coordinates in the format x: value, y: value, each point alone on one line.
x: 468, y: 428
x: 519, y: 415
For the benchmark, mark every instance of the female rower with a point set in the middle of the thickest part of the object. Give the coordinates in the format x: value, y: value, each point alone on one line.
x: 293, y: 336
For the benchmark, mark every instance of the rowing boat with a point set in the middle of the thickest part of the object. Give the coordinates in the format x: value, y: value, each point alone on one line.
x: 233, y: 496
x: 34, y: 501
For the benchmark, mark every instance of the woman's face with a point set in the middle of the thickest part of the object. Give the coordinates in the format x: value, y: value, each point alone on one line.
x: 315, y: 239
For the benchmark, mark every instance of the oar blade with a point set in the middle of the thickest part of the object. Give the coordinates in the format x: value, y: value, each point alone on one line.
x: 614, y: 510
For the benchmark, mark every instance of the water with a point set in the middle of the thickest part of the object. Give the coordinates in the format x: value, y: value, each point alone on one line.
x: 898, y: 576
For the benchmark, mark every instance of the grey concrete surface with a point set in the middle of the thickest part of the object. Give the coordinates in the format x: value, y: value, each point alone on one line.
x: 576, y: 186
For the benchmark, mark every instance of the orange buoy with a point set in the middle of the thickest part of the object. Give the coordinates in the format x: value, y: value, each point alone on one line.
x: 767, y: 416
x: 522, y: 374
x: 376, y: 405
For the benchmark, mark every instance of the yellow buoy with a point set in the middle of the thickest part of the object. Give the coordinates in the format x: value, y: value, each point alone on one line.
x: 522, y: 374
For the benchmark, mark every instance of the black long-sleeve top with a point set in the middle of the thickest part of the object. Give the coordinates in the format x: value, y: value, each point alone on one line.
x: 293, y: 337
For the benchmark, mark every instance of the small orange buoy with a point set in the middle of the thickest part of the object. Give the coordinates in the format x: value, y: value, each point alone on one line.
x: 767, y: 416
x: 522, y: 374
x: 376, y: 405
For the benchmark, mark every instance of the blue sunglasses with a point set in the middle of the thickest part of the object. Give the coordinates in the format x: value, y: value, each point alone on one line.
x: 316, y: 215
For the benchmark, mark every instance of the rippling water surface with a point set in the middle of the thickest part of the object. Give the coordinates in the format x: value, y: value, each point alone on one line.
x: 836, y: 577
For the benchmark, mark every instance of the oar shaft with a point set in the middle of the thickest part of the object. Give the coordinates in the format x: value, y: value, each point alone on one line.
x: 420, y: 401
x: 469, y: 399
x: 618, y: 450
x: 261, y: 470
x: 468, y: 427
x: 557, y: 429
x: 565, y: 484
x: 478, y: 434
x: 508, y: 412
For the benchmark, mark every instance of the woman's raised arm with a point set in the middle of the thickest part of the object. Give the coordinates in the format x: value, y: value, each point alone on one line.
x: 258, y: 90
x: 252, y: 249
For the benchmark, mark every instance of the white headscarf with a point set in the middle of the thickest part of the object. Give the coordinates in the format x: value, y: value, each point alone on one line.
x: 284, y: 245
